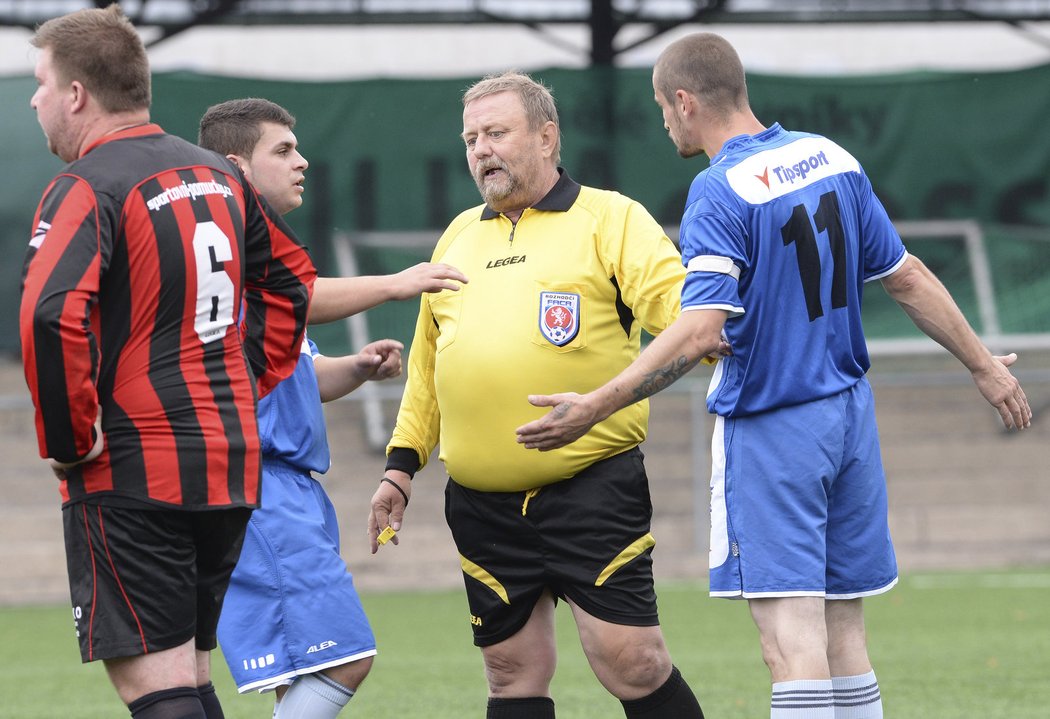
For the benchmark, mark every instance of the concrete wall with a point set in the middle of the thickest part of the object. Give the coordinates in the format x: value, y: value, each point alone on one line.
x: 963, y: 493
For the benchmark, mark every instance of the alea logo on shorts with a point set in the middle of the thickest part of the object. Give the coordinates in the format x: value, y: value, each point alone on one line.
x: 559, y: 317
x: 327, y: 644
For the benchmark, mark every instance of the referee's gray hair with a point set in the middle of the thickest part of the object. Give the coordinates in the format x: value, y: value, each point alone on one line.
x: 535, y: 97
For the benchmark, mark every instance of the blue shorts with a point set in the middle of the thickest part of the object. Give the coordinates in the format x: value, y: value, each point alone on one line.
x: 798, y: 502
x: 291, y: 607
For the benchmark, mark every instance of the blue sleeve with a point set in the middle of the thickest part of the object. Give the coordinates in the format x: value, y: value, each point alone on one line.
x: 713, y: 241
x: 883, y: 249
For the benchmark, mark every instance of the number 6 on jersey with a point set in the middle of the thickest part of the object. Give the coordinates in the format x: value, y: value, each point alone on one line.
x: 211, y: 248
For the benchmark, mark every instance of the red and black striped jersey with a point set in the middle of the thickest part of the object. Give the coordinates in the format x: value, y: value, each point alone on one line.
x: 161, y: 290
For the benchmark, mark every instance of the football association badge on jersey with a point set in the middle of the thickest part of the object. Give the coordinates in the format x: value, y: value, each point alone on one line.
x: 559, y: 317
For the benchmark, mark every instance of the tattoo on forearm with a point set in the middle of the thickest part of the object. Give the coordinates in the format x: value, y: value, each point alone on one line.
x: 663, y: 377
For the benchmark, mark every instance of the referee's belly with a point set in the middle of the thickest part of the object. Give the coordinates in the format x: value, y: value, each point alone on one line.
x: 498, y: 463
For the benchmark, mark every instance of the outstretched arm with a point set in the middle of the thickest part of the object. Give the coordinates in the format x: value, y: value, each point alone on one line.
x: 338, y: 376
x: 693, y: 336
x: 929, y: 305
x: 337, y: 298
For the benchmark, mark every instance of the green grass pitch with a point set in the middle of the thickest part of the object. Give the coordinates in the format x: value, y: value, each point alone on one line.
x: 944, y: 645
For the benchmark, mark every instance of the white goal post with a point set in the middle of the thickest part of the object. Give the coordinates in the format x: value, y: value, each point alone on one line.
x: 981, y: 272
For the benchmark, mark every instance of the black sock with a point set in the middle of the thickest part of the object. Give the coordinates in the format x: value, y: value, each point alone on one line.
x: 210, y: 701
x: 527, y: 708
x: 177, y: 703
x: 674, y: 700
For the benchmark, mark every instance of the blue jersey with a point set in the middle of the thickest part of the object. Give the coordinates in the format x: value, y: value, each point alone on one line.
x: 291, y: 419
x: 782, y: 231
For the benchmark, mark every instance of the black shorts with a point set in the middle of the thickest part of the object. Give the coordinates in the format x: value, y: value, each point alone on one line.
x: 586, y: 539
x: 146, y: 579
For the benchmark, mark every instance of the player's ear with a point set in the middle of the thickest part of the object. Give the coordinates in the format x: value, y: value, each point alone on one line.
x: 684, y: 102
x: 78, y: 96
x: 239, y: 161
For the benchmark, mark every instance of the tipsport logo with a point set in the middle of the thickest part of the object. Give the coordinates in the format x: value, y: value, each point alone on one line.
x: 780, y: 171
x: 798, y: 171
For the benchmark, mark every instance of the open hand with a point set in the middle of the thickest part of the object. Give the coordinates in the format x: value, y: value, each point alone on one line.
x: 571, y: 418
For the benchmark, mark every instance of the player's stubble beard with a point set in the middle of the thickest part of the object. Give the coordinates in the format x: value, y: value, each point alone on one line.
x: 678, y: 137
x: 59, y: 138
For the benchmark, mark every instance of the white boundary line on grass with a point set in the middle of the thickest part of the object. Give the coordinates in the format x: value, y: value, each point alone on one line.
x: 994, y: 580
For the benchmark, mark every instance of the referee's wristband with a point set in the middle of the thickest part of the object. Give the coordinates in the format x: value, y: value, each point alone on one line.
x: 394, y: 484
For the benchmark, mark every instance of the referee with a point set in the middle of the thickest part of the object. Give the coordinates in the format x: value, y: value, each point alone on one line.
x: 562, y: 280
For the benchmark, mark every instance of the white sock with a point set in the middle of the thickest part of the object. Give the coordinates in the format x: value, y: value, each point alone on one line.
x: 802, y: 699
x: 313, y: 696
x: 857, y: 697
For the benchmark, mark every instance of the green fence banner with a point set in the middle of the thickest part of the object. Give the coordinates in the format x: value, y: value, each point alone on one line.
x: 386, y: 154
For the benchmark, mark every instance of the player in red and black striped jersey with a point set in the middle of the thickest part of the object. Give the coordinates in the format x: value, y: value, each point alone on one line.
x: 133, y: 287
x: 161, y: 295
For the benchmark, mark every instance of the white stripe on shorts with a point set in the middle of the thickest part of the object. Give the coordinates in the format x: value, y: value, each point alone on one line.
x: 719, y: 522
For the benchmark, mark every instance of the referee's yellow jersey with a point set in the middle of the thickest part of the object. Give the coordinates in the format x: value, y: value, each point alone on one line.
x: 554, y: 304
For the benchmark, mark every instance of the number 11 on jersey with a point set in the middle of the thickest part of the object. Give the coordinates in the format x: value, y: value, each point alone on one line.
x: 799, y: 231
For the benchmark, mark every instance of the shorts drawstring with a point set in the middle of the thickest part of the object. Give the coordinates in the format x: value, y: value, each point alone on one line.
x: 529, y: 495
